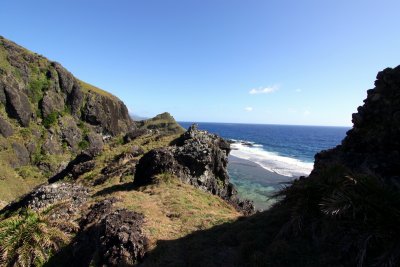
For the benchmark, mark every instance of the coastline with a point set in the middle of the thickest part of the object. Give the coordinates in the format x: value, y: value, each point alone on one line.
x: 254, y: 182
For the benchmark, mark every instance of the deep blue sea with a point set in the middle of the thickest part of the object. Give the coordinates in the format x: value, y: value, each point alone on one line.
x: 264, y: 157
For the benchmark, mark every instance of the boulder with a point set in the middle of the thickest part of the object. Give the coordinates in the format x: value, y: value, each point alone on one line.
x: 70, y: 132
x: 109, y: 237
x: 52, y: 102
x: 5, y: 128
x: 132, y: 135
x: 95, y: 143
x: 17, y: 103
x: 51, y: 145
x: 21, y: 153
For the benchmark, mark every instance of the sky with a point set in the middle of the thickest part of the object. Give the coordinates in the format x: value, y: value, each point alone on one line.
x: 305, y: 62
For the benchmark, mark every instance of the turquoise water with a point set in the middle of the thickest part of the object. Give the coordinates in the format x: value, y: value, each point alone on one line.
x: 265, y: 157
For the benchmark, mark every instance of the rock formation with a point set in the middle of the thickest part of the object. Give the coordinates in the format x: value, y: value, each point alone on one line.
x: 373, y: 145
x: 113, y: 236
x: 198, y: 158
x: 47, y: 116
x: 71, y: 196
x: 162, y: 123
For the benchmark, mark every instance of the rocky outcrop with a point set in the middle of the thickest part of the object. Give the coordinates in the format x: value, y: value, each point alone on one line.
x: 109, y: 237
x: 5, y: 128
x: 132, y: 135
x: 109, y: 113
x: 52, y: 102
x: 198, y: 158
x: 123, y: 165
x: 71, y: 195
x: 76, y: 167
x: 373, y: 145
x: 68, y: 114
x: 21, y: 153
x: 163, y: 123
x: 70, y: 132
x: 17, y: 103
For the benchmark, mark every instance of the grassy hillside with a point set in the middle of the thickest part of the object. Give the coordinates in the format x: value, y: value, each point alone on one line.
x: 45, y: 120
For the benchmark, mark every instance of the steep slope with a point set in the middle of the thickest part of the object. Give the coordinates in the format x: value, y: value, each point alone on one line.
x: 47, y: 117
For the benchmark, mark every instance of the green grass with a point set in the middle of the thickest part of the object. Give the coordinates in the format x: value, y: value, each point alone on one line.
x: 91, y: 88
x: 164, y: 123
x: 4, y: 64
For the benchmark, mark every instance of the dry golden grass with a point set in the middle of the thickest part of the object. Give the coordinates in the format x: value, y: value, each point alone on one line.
x: 173, y: 209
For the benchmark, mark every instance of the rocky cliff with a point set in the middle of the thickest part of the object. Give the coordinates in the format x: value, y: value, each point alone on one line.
x: 372, y: 146
x: 47, y: 117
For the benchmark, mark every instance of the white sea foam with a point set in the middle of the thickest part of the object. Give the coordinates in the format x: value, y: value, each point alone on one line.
x: 269, y: 160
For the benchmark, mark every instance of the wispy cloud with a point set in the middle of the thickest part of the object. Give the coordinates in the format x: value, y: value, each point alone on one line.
x: 248, y: 109
x: 264, y: 90
x: 306, y: 112
x: 298, y: 90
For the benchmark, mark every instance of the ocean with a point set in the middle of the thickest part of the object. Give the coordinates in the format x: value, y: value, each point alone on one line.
x: 266, y: 157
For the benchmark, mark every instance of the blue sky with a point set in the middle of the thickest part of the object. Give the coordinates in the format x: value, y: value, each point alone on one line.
x: 279, y: 61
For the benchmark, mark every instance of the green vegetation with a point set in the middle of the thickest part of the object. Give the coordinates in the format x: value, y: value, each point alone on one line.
x: 164, y: 123
x: 4, y: 64
x: 37, y: 87
x: 83, y: 144
x: 30, y: 238
x: 50, y: 120
x: 88, y: 87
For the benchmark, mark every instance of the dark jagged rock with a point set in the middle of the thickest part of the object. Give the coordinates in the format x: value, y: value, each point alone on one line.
x: 52, y: 102
x: 132, y: 135
x: 122, y: 165
x: 373, y: 145
x: 51, y: 145
x: 95, y: 143
x: 108, y: 113
x: 74, y: 196
x: 76, y: 167
x: 109, y: 237
x: 5, y: 128
x: 22, y: 154
x: 200, y: 159
x: 70, y: 132
x: 17, y: 103
x: 82, y: 168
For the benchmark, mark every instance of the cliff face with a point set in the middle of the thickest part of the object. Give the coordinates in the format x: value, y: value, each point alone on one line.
x: 33, y: 87
x: 373, y: 145
x: 47, y: 117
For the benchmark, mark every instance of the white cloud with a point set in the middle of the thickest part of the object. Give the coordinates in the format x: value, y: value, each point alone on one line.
x: 248, y: 109
x: 306, y: 112
x: 264, y: 90
x: 298, y: 90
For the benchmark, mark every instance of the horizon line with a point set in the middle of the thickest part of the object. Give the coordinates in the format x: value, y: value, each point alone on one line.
x: 275, y: 124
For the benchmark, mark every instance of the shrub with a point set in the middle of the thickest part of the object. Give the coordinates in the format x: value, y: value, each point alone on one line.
x: 83, y: 144
x: 50, y: 120
x: 29, y: 239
